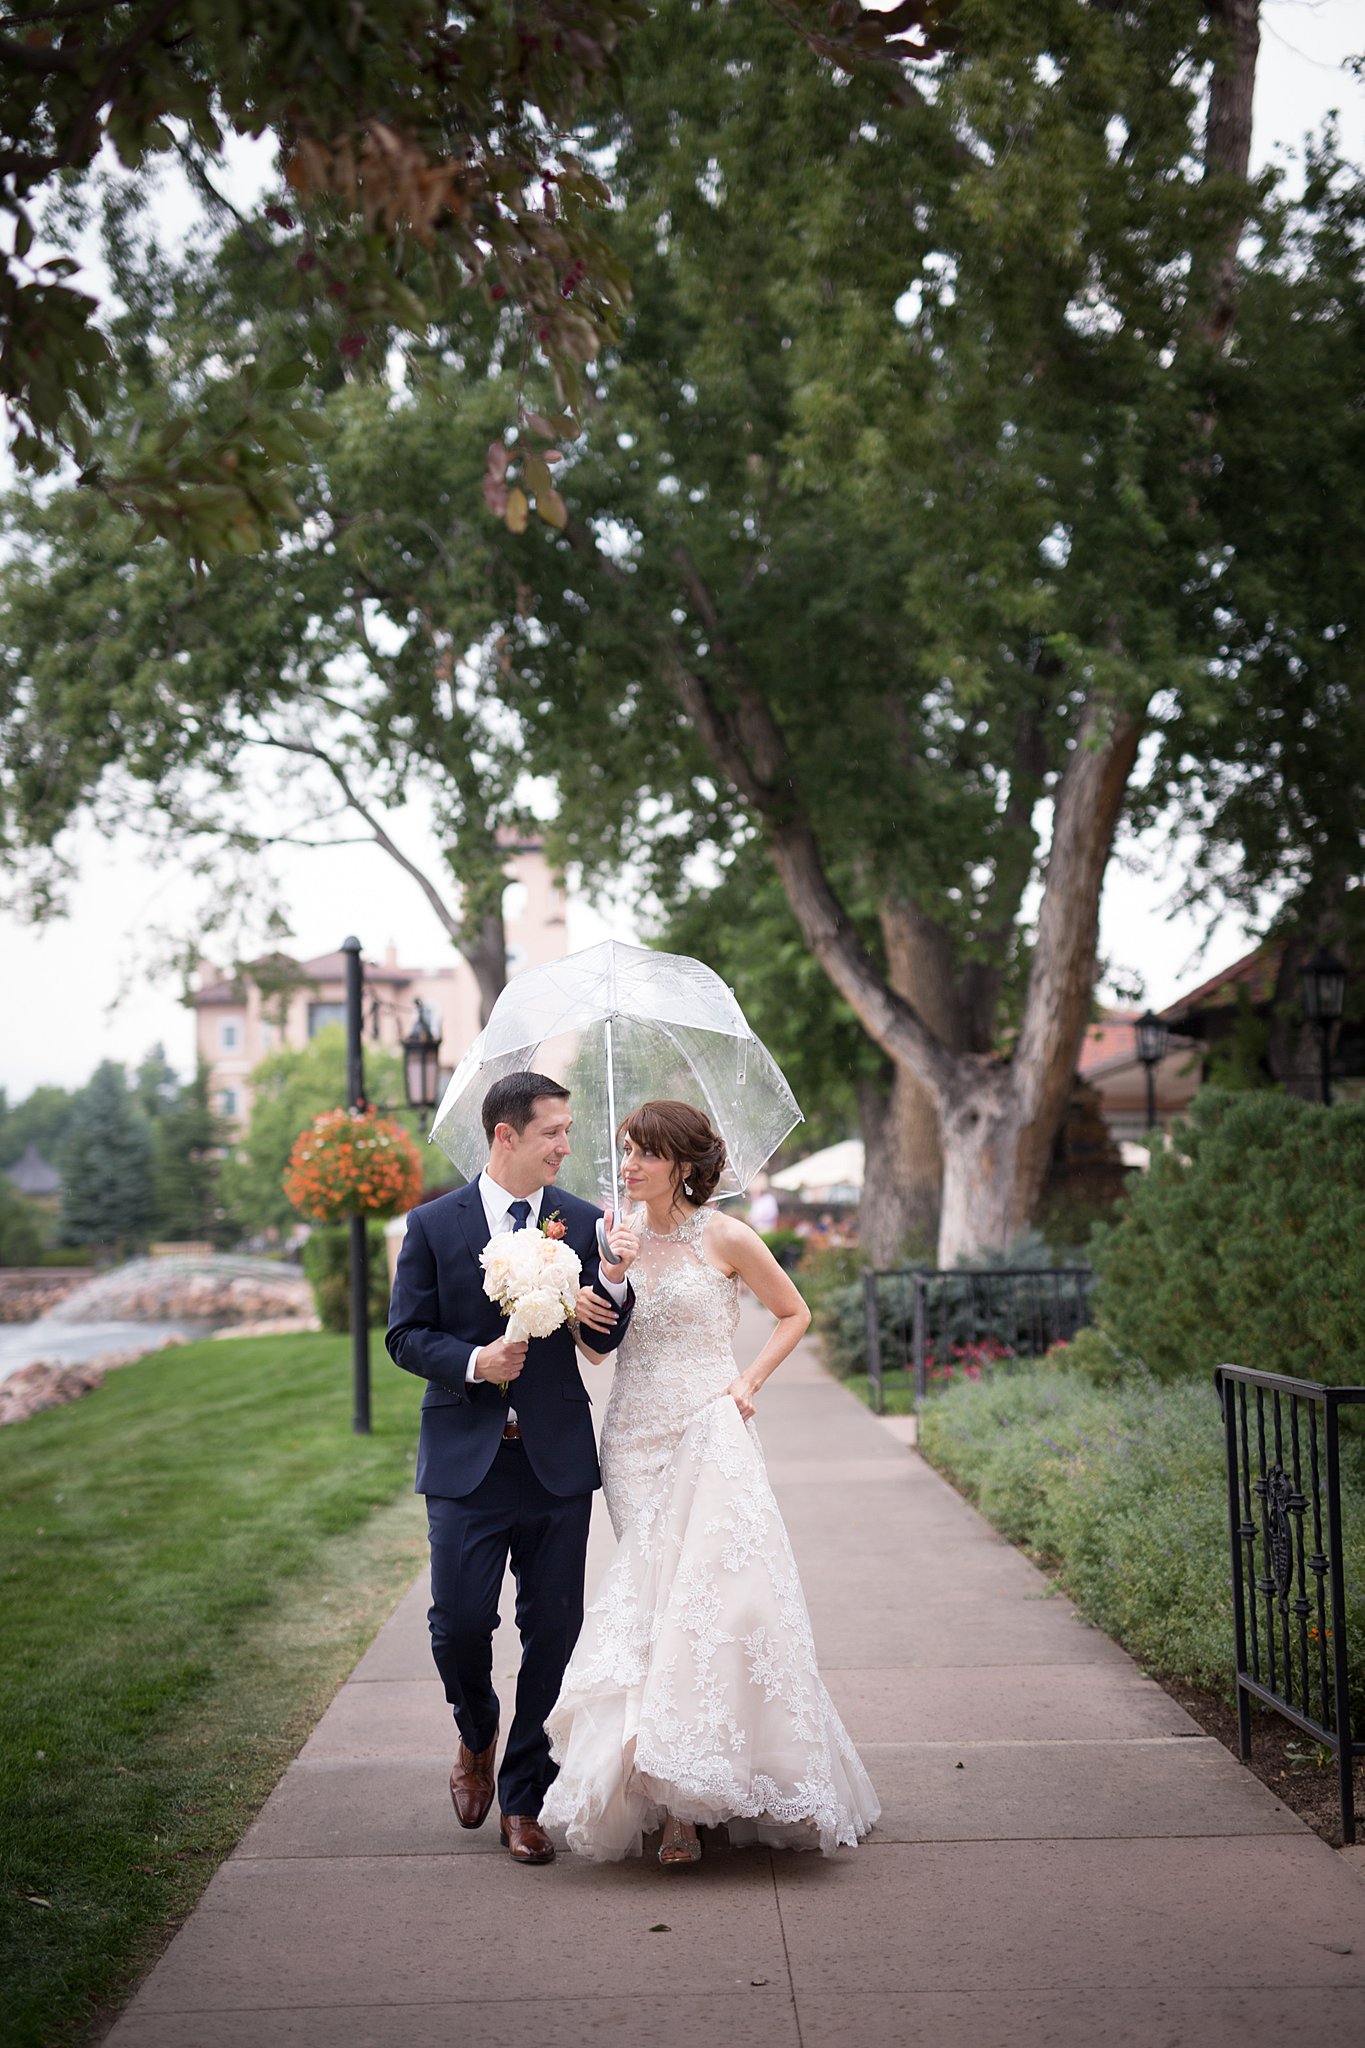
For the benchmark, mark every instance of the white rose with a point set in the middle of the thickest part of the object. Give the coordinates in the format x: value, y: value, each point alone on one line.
x: 536, y: 1314
x: 563, y: 1266
x: 497, y: 1268
x: 524, y: 1258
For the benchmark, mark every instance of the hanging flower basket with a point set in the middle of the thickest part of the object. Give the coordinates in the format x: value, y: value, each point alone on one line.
x: 350, y: 1162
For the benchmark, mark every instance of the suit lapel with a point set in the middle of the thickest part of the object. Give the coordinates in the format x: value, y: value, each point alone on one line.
x: 473, y: 1221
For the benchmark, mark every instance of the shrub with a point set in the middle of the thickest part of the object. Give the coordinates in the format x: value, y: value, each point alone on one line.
x: 1124, y: 1488
x: 839, y: 1316
x: 972, y: 1321
x: 825, y: 1267
x: 1244, y: 1244
x: 24, y: 1227
x: 326, y: 1261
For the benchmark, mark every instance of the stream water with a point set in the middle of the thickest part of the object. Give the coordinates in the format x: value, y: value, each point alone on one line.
x: 62, y: 1343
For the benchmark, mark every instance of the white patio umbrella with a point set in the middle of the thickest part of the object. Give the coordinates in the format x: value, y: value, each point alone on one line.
x: 836, y: 1166
x: 621, y: 1025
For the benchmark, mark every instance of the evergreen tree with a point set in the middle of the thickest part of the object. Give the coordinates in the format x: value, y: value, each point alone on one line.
x: 156, y: 1084
x: 107, y: 1165
x: 188, y: 1140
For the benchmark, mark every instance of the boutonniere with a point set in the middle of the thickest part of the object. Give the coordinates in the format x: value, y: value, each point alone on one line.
x: 554, y: 1225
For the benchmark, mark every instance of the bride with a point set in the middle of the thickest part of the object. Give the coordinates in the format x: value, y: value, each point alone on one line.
x: 693, y: 1696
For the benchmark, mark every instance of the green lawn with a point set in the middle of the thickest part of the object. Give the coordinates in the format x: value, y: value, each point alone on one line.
x: 191, y: 1560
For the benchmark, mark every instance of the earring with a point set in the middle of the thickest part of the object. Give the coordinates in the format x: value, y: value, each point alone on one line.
x: 687, y: 1187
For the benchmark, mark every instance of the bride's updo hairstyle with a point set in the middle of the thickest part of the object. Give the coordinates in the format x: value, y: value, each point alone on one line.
x: 677, y: 1132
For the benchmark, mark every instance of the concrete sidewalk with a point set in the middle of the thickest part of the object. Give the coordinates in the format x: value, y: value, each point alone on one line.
x: 1063, y: 1858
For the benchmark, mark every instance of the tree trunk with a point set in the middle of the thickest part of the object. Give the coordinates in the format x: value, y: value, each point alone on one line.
x: 921, y: 969
x: 999, y: 1127
x: 985, y: 1145
x: 486, y: 951
x: 902, y: 1172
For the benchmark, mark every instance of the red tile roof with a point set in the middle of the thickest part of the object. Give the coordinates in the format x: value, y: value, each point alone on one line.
x: 1110, y: 1037
x: 1256, y: 972
x: 325, y: 967
x: 332, y: 967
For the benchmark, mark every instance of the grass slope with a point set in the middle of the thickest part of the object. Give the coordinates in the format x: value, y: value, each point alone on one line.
x: 191, y: 1560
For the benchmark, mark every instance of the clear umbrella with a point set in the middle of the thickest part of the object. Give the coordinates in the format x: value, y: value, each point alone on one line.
x: 618, y: 1026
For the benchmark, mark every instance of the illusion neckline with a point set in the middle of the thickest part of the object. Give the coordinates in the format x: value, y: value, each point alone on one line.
x: 665, y: 1236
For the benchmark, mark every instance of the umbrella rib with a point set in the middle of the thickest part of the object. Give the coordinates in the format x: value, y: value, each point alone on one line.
x: 716, y: 1120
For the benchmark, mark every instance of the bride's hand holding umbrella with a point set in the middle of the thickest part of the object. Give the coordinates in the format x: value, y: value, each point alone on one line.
x: 623, y: 1243
x: 617, y: 1248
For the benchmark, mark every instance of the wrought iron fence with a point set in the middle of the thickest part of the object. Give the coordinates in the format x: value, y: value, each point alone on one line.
x: 942, y: 1325
x: 1288, y: 1595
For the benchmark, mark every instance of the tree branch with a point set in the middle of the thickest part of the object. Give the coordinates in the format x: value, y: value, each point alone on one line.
x: 43, y: 59
x: 1062, y: 973
x: 1227, y: 151
x: 450, y: 923
x: 749, y: 750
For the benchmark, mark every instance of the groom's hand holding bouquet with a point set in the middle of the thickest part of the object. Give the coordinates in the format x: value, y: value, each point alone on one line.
x: 533, y: 1276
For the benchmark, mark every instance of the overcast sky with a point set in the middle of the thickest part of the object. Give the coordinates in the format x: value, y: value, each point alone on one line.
x: 74, y: 992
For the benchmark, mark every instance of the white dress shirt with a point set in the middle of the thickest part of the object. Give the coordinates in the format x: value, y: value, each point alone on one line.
x: 497, y: 1204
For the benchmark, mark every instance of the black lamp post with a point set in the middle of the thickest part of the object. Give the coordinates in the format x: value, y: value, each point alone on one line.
x: 421, y: 1062
x: 1323, y: 982
x: 421, y: 1085
x: 1153, y: 1037
x: 360, y: 1248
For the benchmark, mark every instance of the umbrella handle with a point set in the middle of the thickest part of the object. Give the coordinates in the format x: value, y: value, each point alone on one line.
x: 604, y: 1250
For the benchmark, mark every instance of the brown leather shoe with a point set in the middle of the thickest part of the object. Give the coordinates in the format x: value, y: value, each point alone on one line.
x: 526, y: 1838
x: 471, y: 1784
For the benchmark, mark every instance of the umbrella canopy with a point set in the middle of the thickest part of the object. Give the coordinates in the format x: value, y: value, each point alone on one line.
x: 621, y: 1025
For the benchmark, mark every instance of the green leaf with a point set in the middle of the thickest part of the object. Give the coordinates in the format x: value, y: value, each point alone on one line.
x: 552, y: 509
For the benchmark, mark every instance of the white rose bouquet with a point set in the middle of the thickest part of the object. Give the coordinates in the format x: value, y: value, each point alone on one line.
x: 534, y: 1278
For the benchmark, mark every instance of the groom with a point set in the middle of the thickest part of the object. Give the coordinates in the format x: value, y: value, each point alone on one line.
x: 506, y: 1456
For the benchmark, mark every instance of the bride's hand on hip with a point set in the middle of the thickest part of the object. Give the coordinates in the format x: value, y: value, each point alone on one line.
x: 743, y: 1395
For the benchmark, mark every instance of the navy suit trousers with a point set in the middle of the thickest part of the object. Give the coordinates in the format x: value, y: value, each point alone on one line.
x: 509, y: 1515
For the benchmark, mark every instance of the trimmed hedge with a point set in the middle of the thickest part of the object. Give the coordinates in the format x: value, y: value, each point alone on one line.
x: 1123, y: 1488
x: 327, y: 1263
x: 1244, y: 1244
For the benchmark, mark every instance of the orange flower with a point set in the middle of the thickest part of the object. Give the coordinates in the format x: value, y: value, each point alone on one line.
x: 352, y: 1163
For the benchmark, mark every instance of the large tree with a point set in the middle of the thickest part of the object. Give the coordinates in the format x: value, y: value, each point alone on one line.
x: 427, y: 150
x: 888, y: 544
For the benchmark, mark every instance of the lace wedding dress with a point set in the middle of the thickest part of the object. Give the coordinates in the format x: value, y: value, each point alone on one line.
x: 694, y: 1687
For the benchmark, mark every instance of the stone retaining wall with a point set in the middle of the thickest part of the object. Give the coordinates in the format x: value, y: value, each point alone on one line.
x: 27, y: 1292
x: 213, y: 1291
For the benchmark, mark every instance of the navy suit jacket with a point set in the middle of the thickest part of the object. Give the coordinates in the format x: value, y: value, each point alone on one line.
x: 439, y: 1313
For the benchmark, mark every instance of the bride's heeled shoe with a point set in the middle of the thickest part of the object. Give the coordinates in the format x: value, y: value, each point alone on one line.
x: 676, y: 1847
